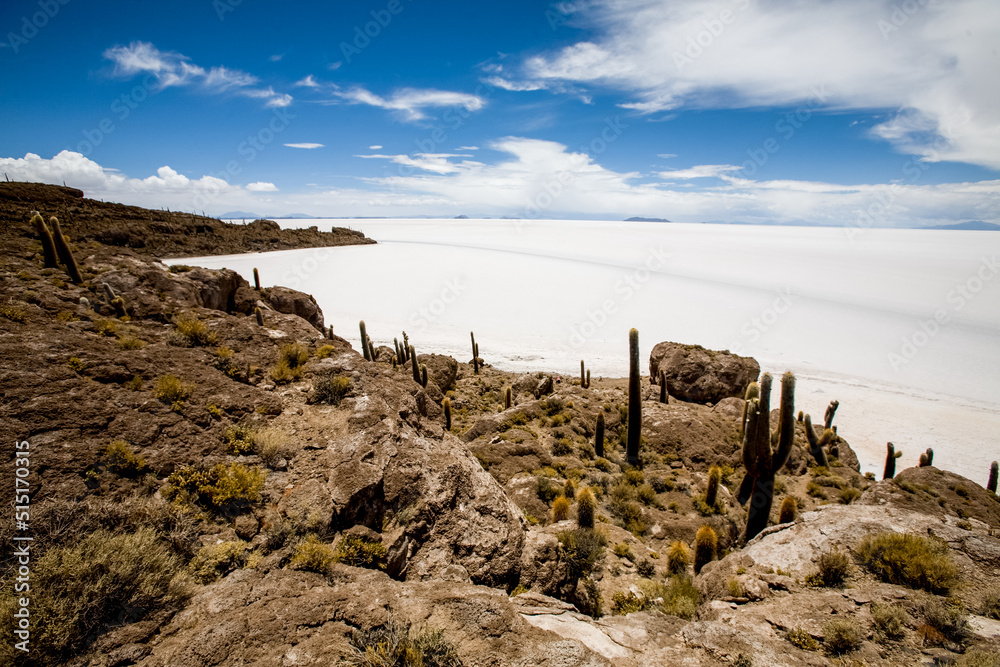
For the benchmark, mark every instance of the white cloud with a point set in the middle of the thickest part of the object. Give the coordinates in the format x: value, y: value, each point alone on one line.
x: 699, y: 171
x: 935, y: 66
x: 307, y: 145
x: 261, y: 186
x: 518, y: 86
x: 308, y: 82
x: 333, y: 67
x: 411, y: 102
x: 277, y: 57
x: 174, y: 69
x: 666, y: 156
x: 375, y: 148
x: 536, y: 178
x: 465, y: 148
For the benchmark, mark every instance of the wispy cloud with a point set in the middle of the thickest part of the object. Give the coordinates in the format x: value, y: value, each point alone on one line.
x: 262, y: 186
x: 307, y: 145
x: 308, y: 82
x: 931, y: 68
x: 699, y: 171
x: 411, y: 103
x: 174, y: 69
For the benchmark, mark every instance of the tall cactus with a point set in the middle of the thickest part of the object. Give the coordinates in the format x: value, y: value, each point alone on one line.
x: 817, y: 443
x: 64, y: 251
x: 599, y: 436
x: 992, y: 484
x: 712, y: 490
x: 260, y: 316
x: 365, y: 349
x: 446, y: 405
x: 753, y: 391
x: 634, y: 400
x: 256, y: 279
x: 664, y: 394
x: 48, y: 246
x: 475, y: 353
x: 890, y: 461
x: 584, y: 376
x: 830, y: 411
x: 508, y: 398
x: 423, y: 376
x: 761, y: 462
x: 415, y: 365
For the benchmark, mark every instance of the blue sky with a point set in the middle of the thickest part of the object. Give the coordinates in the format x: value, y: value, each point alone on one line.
x: 838, y: 113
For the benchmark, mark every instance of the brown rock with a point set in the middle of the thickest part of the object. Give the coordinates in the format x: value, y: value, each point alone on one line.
x: 293, y: 302
x: 441, y: 369
x: 699, y: 375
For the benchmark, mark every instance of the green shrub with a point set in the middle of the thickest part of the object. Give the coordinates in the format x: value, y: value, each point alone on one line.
x: 313, y: 555
x: 122, y: 460
x: 13, y: 313
x: 979, y: 658
x: 890, y: 622
x: 217, y: 560
x: 397, y: 645
x: 847, y: 495
x: 131, y: 343
x: 842, y: 636
x: 269, y: 444
x: 626, y: 602
x: 169, y: 389
x: 100, y: 579
x: 325, y: 351
x: 602, y: 464
x: 226, y: 487
x: 546, y: 490
x: 634, y: 477
x: 645, y: 568
x: 801, y: 639
x: 194, y: 332
x: 239, y: 439
x: 295, y: 355
x: 562, y: 447
x: 647, y: 495
x: 283, y: 373
x: 949, y: 618
x: 833, y: 568
x: 583, y: 549
x: 990, y: 606
x: 360, y: 552
x: 679, y: 595
x: 330, y: 389
x: 623, y: 550
x: 909, y: 560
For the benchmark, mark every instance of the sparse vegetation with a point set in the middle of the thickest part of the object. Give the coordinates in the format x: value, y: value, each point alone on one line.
x: 909, y: 560
x: 169, y: 389
x: 122, y: 460
x: 331, y: 389
x: 678, y: 558
x: 398, y: 645
x: 799, y: 638
x: 890, y: 622
x: 224, y: 487
x: 834, y: 567
x: 192, y: 332
x: 841, y: 636
x: 313, y: 555
x: 217, y: 560
x: 360, y: 552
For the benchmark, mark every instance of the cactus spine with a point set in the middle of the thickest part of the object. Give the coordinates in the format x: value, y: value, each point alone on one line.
x: 64, y: 251
x: 256, y: 279
x: 260, y: 316
x: 48, y: 247
x: 712, y: 491
x: 475, y: 353
x: 890, y: 461
x: 706, y: 544
x: 446, y: 404
x: 992, y: 484
x: 761, y: 463
x: 414, y: 365
x: 789, y: 508
x: 830, y: 411
x: 365, y: 348
x: 634, y: 400
x: 585, y: 509
x: 599, y: 436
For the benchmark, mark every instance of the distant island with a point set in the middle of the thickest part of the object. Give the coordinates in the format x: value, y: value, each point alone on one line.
x: 972, y: 225
x: 639, y: 219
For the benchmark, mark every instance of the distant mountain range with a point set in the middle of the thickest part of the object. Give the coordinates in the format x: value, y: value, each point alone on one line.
x: 640, y: 219
x: 972, y: 225
x: 247, y: 215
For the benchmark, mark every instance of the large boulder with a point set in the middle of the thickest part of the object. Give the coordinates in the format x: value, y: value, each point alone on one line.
x: 293, y: 302
x: 698, y: 375
x: 441, y: 369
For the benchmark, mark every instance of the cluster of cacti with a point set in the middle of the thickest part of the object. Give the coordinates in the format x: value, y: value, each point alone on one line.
x: 55, y: 246
x: 712, y: 490
x: 789, y: 508
x: 927, y: 458
x: 256, y: 279
x: 599, y: 436
x: 475, y: 353
x: 890, y: 461
x: 761, y: 462
x: 584, y: 376
x: 367, y: 347
x: 818, y: 443
x: 828, y: 415
x: 634, y: 400
x: 260, y: 316
x: 664, y: 394
x: 706, y: 544
x: 446, y: 405
x: 991, y: 485
x: 402, y: 349
x: 586, y: 507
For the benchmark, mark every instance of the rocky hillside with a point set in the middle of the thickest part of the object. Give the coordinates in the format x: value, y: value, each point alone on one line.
x: 210, y: 488
x: 95, y: 224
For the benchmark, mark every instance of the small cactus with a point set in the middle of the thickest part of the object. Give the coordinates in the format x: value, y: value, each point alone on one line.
x: 800, y: 417
x: 365, y: 347
x: 560, y: 509
x: 830, y: 411
x: 678, y: 558
x: 446, y: 404
x: 48, y: 246
x: 330, y: 333
x: 64, y: 251
x: 475, y: 353
x: 586, y: 507
x: 414, y: 365
x: 634, y: 400
x: 927, y: 458
x: 599, y: 436
x: 712, y: 491
x: 706, y: 544
x: 118, y: 304
x: 890, y: 461
x: 664, y: 394
x: 789, y: 508
x: 508, y: 399
x: 584, y: 376
x: 569, y: 489
x: 992, y: 484
x: 256, y: 279
x: 260, y: 316
x: 423, y: 376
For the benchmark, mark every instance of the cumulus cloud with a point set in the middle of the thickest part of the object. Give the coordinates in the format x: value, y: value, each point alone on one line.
x: 170, y: 68
x: 261, y: 186
x: 929, y: 63
x: 308, y: 146
x: 412, y: 102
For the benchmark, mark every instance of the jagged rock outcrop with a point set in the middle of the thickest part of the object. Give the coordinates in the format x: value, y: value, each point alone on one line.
x: 699, y: 375
x: 293, y: 302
